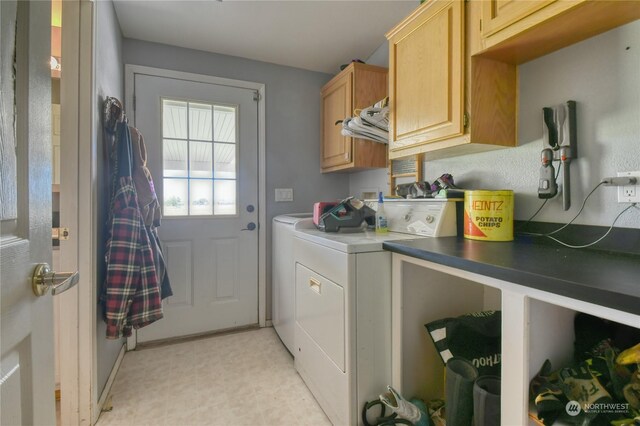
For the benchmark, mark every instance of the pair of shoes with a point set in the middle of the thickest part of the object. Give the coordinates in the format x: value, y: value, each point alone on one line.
x: 415, y: 411
x: 403, y: 412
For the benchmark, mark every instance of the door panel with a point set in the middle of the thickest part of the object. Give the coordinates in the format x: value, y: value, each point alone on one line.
x: 427, y: 63
x: 498, y: 14
x: 206, y: 165
x: 26, y: 333
x: 225, y: 253
x: 336, y: 105
x: 180, y: 263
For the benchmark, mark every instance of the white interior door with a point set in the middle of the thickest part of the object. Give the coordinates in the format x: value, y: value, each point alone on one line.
x: 26, y: 342
x: 202, y: 144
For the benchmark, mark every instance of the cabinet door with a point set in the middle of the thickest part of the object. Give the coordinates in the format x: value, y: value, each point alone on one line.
x: 498, y: 14
x: 426, y: 76
x: 336, y: 105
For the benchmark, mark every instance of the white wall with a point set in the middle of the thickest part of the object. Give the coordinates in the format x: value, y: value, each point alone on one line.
x: 109, y: 81
x: 292, y: 123
x: 601, y: 75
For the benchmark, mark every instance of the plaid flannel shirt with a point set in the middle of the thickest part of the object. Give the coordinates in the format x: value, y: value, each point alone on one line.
x: 131, y: 295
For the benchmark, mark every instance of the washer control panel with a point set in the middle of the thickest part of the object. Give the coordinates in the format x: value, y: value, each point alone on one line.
x: 427, y: 217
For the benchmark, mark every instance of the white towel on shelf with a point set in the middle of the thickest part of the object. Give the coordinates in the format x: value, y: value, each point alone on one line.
x: 371, y: 123
x: 378, y: 117
x: 354, y: 127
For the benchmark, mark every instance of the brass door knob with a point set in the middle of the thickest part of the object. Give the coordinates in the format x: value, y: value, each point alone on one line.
x: 44, y: 279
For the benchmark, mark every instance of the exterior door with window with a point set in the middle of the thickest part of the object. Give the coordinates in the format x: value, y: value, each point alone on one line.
x: 202, y: 144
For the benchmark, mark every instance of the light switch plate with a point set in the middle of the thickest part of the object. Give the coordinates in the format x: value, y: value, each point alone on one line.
x: 284, y: 195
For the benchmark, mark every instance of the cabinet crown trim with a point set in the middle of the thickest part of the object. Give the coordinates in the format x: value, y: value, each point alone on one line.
x: 409, y: 19
x: 351, y: 68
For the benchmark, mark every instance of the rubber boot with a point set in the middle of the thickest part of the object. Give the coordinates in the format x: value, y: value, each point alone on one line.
x: 486, y: 401
x: 460, y: 376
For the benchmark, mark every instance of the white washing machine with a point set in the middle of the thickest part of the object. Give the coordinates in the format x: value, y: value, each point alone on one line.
x: 283, y: 275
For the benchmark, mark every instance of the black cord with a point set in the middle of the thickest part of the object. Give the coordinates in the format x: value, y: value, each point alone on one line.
x: 571, y: 221
x: 383, y: 411
x: 522, y: 226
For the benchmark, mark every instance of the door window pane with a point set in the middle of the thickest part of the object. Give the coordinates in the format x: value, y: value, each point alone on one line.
x: 176, y: 197
x: 224, y: 124
x: 224, y: 161
x: 201, y: 197
x: 224, y: 193
x: 174, y: 119
x: 199, y: 175
x: 199, y: 122
x: 174, y: 153
x: 200, y: 158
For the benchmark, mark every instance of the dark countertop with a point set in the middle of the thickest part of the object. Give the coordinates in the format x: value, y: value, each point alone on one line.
x: 602, y: 278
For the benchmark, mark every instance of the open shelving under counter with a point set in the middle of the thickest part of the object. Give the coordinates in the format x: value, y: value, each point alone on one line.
x: 538, y: 287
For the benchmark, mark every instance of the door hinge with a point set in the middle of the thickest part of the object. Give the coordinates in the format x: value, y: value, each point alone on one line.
x: 465, y: 120
x: 59, y: 233
x: 257, y: 96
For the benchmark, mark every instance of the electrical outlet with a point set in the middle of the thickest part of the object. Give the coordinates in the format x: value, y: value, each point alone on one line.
x: 629, y: 193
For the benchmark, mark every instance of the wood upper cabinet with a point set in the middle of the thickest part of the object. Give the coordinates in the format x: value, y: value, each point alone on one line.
x: 517, y: 31
x: 357, y: 86
x: 337, y: 104
x: 443, y: 103
x: 426, y: 74
x: 498, y: 14
x: 453, y: 84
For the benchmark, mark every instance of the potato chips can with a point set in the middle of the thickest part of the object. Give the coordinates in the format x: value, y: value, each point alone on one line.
x: 488, y: 215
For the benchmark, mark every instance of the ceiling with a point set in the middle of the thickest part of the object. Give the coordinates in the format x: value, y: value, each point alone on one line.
x: 308, y: 34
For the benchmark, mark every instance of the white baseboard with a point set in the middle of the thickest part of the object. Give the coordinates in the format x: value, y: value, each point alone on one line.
x: 112, y: 377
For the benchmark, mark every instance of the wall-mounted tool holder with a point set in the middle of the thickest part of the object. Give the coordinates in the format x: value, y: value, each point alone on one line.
x: 559, y: 144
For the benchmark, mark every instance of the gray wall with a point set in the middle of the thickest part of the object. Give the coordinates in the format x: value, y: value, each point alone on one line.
x: 380, y: 56
x: 292, y: 123
x: 601, y: 74
x: 109, y: 80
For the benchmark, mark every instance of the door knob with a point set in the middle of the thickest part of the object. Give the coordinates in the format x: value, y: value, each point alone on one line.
x: 44, y: 279
x: 250, y: 227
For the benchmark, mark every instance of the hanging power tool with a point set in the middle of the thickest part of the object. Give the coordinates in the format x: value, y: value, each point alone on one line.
x: 560, y: 144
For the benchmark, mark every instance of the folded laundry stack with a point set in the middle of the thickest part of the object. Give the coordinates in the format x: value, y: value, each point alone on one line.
x: 372, y: 123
